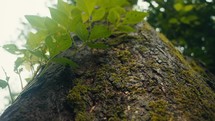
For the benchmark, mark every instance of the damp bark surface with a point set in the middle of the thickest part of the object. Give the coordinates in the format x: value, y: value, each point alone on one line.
x: 141, y: 78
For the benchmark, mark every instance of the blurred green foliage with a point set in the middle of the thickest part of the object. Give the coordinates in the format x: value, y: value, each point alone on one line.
x: 189, y: 24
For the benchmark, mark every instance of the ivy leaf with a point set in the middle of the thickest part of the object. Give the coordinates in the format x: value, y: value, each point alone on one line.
x: 65, y: 61
x: 113, y: 16
x: 99, y: 31
x: 98, y: 14
x: 82, y: 32
x: 97, y: 45
x: 12, y: 48
x: 3, y: 83
x: 59, y: 16
x: 134, y: 17
x: 125, y: 29
x: 36, y: 21
x: 19, y: 61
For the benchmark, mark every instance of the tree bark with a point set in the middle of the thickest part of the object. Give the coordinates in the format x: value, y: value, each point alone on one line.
x: 140, y: 79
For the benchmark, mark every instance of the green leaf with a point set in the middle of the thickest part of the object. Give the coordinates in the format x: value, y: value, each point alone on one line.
x: 58, y: 43
x: 39, y: 54
x: 65, y: 7
x: 82, y: 32
x: 36, y: 21
x: 3, y: 83
x: 59, y: 17
x: 125, y: 29
x: 134, y: 17
x: 65, y: 61
x: 188, y: 8
x: 19, y: 61
x: 51, y: 25
x: 34, y: 40
x: 99, y: 31
x: 12, y: 48
x: 97, y: 45
x: 76, y: 19
x: 113, y: 16
x: 86, y: 5
x: 98, y: 14
x: 173, y: 21
x: 178, y: 6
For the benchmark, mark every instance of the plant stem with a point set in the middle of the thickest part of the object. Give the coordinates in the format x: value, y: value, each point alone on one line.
x: 9, y: 89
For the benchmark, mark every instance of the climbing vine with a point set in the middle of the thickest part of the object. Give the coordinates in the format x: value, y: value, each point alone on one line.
x: 89, y: 20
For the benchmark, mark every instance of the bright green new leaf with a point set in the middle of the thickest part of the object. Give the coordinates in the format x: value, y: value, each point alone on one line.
x: 34, y: 40
x: 76, y: 18
x: 36, y: 21
x: 59, y: 17
x: 12, y: 48
x: 19, y: 61
x: 85, y: 16
x: 3, y: 83
x: 65, y: 7
x: 65, y: 61
x: 98, y: 14
x: 81, y: 31
x: 51, y: 25
x: 125, y: 29
x: 86, y: 5
x: 51, y: 45
x: 134, y: 17
x: 113, y: 16
x: 178, y: 6
x: 97, y: 45
x: 99, y: 31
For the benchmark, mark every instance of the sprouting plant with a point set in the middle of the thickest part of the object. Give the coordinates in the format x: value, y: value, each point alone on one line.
x: 90, y: 20
x: 5, y: 83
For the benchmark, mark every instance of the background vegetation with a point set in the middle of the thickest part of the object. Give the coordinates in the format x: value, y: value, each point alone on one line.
x: 190, y: 24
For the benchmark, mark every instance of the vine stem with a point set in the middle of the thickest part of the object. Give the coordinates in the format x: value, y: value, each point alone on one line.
x: 9, y: 89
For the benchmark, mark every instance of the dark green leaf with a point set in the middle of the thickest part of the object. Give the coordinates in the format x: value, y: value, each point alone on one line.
x: 3, y: 83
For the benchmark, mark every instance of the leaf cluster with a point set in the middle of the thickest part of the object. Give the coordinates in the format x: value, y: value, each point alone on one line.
x: 89, y: 20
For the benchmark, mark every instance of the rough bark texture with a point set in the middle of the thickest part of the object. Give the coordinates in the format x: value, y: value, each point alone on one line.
x: 144, y: 78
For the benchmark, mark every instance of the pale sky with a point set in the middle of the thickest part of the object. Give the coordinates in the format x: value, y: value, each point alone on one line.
x: 12, y: 12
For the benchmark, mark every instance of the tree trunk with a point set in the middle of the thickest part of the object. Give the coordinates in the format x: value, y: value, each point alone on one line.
x: 142, y: 78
